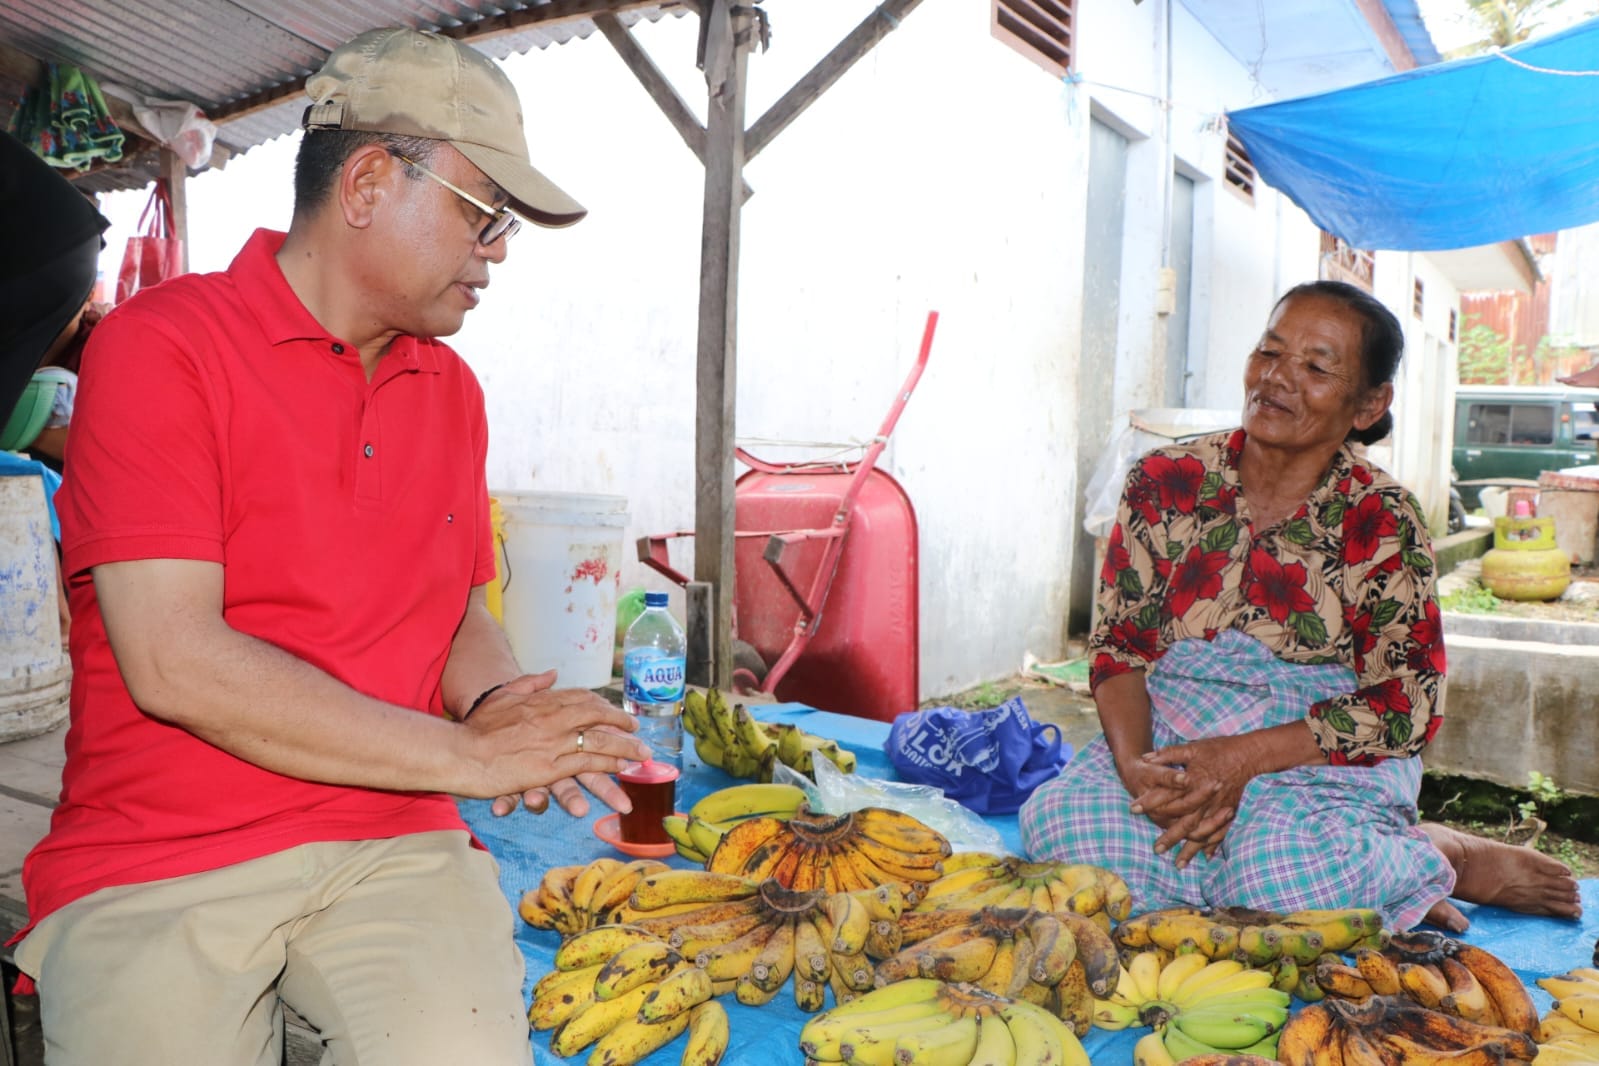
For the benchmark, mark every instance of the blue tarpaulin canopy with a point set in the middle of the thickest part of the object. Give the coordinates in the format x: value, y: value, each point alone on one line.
x: 1460, y: 154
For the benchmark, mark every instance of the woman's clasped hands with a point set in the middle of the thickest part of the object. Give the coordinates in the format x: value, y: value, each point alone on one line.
x: 1191, y: 791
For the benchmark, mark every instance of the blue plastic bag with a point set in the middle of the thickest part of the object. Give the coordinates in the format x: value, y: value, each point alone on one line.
x: 989, y: 761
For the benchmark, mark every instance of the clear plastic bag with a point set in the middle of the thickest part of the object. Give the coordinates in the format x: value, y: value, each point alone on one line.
x: 1133, y: 434
x: 835, y: 792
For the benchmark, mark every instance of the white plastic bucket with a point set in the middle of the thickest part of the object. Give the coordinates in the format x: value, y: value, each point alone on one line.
x: 34, y: 674
x: 563, y: 564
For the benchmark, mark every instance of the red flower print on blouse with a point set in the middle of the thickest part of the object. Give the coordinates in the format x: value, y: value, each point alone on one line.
x: 1360, y: 629
x: 1366, y: 525
x: 1197, y: 577
x: 1144, y: 643
x: 1427, y: 633
x: 1116, y: 557
x: 1141, y: 493
x: 1177, y: 481
x: 1278, y: 588
x: 1388, y: 697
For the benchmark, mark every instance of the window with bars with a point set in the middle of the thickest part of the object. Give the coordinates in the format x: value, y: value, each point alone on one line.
x: 1240, y: 171
x: 1454, y: 326
x: 1042, y: 30
x: 1418, y: 299
x: 1340, y: 262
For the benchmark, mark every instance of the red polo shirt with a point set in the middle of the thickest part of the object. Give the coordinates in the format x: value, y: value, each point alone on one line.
x: 217, y: 420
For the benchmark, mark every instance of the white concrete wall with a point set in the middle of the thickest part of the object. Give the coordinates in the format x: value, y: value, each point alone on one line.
x: 1418, y: 452
x: 944, y: 172
x: 1574, y: 277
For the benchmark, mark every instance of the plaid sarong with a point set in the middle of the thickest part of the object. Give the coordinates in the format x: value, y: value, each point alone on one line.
x: 1327, y: 836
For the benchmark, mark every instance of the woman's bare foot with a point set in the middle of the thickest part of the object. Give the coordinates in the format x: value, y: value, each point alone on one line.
x: 1503, y: 875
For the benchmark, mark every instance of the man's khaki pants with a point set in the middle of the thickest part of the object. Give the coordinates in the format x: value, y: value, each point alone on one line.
x: 398, y: 951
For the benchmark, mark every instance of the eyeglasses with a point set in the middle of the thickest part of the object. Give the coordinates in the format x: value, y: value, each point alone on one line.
x: 501, y: 222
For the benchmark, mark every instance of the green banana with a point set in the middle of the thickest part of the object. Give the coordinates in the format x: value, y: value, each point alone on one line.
x: 1182, y: 1046
x: 704, y: 836
x: 1226, y: 1030
x: 677, y: 827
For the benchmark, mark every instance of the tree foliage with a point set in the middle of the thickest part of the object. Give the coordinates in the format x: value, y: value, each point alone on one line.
x: 1503, y: 23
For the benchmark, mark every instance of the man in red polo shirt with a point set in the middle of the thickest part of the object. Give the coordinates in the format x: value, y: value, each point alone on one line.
x: 276, y: 530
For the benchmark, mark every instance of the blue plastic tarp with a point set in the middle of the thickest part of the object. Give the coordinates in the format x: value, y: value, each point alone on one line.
x: 1455, y: 155
x: 527, y: 845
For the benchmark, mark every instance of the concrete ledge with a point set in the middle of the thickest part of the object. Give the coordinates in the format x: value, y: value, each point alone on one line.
x: 1456, y: 548
x: 1513, y: 705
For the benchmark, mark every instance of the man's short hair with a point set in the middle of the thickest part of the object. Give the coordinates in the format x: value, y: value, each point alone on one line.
x: 323, y: 154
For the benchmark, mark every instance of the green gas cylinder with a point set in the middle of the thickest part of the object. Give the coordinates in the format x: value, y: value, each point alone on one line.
x: 1525, y: 563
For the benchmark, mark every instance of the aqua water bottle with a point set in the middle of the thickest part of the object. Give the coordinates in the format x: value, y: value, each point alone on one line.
x: 652, y: 679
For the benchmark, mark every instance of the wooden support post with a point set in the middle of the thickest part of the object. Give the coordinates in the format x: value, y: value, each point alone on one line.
x: 701, y: 633
x: 716, y: 379
x: 177, y: 176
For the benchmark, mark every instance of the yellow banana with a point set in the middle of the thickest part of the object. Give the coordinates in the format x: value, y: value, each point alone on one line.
x: 900, y: 831
x: 809, y: 996
x: 1175, y: 972
x: 1108, y: 1014
x: 1466, y: 997
x: 1563, y: 985
x: 854, y: 972
x: 691, y: 886
x: 1072, y: 1002
x: 1145, y: 969
x: 1054, y: 948
x: 1002, y: 971
x: 1151, y: 1051
x: 1512, y: 1005
x: 559, y: 994
x: 1338, y: 978
x: 1423, y: 983
x: 1556, y: 1026
x: 679, y: 991
x: 595, y: 1020
x: 1095, y: 949
x: 747, y: 801
x: 635, y: 965
x: 734, y: 959
x: 963, y: 954
x: 852, y: 923
x: 1567, y: 1054
x: 995, y: 1045
x: 950, y: 1044
x: 589, y: 880
x: 1379, y: 971
x: 599, y: 945
x: 1340, y: 929
x: 1582, y: 1008
x: 812, y: 961
x: 617, y: 889
x: 632, y: 1039
x: 775, y: 961
x: 914, y: 999
x: 708, y: 1035
x: 1203, y: 981
x: 963, y: 860
x: 1040, y: 1037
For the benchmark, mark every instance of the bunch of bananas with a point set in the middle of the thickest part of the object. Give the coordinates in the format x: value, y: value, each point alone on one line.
x: 628, y: 994
x: 1437, y: 972
x: 1259, y: 937
x: 1194, y: 1006
x: 696, y: 834
x: 1395, y: 1031
x: 1042, y: 958
x: 839, y: 853
x: 974, y: 879
x: 1569, y: 1034
x: 751, y: 937
x: 571, y: 899
x: 731, y: 738
x: 926, y: 1022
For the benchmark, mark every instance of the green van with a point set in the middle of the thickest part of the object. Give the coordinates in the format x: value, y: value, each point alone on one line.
x: 1504, y: 431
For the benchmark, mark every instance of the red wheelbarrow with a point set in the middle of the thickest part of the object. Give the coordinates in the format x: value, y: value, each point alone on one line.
x: 825, y: 585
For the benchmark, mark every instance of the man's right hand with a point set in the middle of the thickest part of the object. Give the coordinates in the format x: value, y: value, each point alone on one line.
x: 527, y: 732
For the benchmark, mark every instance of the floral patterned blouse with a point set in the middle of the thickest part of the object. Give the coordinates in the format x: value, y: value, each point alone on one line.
x: 1348, y: 578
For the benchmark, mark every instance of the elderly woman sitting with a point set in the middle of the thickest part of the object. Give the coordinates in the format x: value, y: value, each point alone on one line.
x: 1269, y: 659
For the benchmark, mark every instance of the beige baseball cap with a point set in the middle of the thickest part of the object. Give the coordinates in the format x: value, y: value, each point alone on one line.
x: 419, y: 84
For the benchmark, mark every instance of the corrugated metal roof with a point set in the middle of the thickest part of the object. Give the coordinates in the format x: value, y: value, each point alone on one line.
x: 230, y: 56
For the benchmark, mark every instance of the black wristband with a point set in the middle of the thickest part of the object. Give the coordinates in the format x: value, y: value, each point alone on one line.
x: 485, y: 694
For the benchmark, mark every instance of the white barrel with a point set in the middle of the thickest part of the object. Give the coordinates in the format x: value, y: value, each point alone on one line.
x: 563, y: 564
x: 35, y: 675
